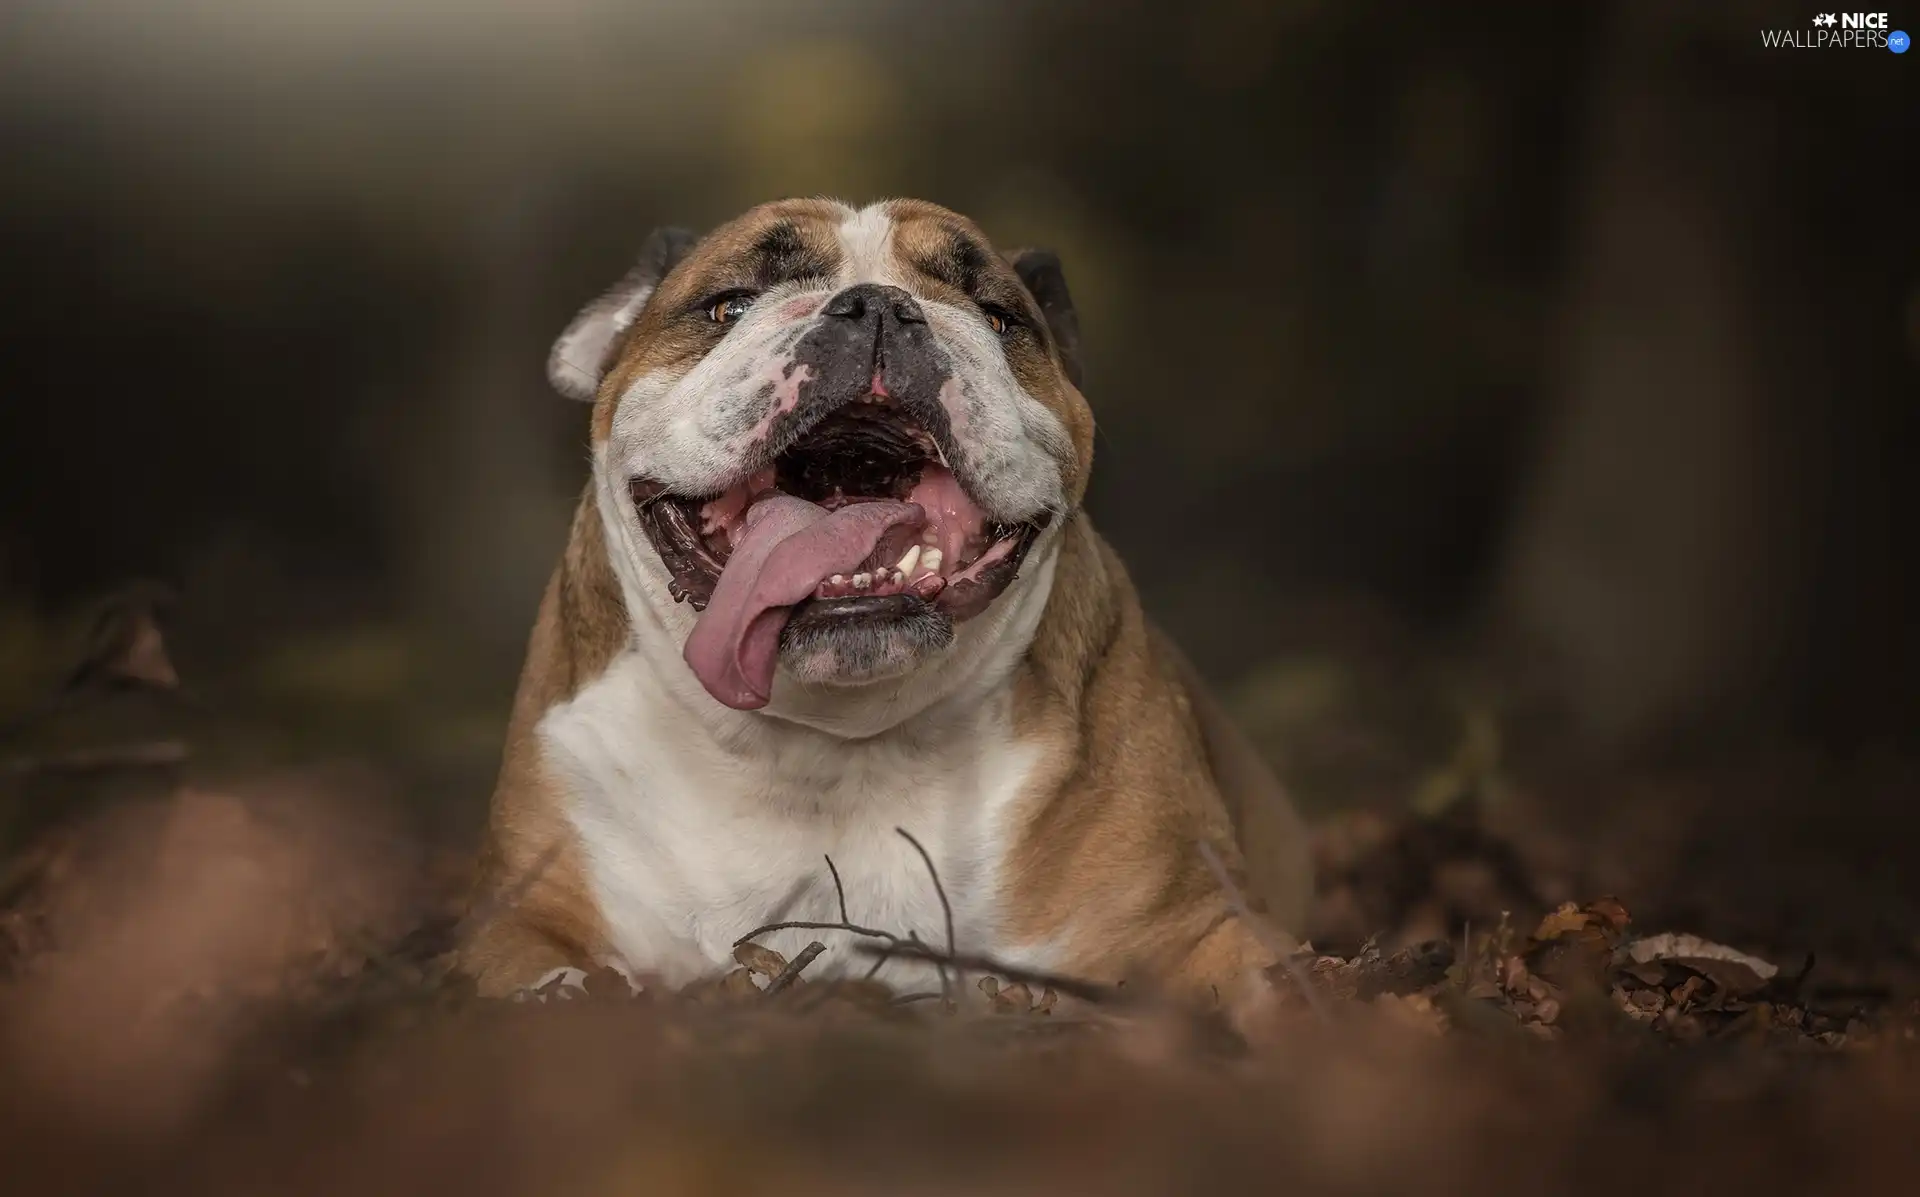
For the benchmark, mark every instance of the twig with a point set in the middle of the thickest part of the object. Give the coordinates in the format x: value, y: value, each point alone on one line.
x: 86, y: 760
x: 845, y: 924
x: 811, y: 925
x: 1258, y: 926
x: 795, y: 967
x: 839, y: 890
x: 889, y: 946
x: 880, y: 959
x: 1090, y: 991
x: 946, y: 907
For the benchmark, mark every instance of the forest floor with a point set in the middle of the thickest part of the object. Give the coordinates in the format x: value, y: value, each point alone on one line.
x: 223, y: 978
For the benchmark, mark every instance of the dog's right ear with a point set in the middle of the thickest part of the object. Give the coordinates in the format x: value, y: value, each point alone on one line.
x: 1046, y: 281
x: 580, y: 357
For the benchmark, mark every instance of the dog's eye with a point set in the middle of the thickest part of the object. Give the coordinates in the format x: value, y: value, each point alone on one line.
x: 999, y: 320
x: 728, y: 308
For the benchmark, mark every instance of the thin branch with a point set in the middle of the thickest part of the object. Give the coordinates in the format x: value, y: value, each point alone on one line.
x: 1258, y: 926
x: 889, y: 946
x: 1090, y: 991
x: 946, y: 984
x: 946, y: 907
x: 846, y: 924
x: 839, y: 890
x: 798, y: 965
x: 810, y: 925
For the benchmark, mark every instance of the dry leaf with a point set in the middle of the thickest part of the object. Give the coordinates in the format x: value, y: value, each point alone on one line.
x: 1568, y: 919
x: 764, y: 961
x: 1734, y: 971
x: 1686, y: 991
x: 739, y: 983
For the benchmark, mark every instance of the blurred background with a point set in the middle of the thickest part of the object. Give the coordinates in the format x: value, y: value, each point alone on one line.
x: 1504, y: 400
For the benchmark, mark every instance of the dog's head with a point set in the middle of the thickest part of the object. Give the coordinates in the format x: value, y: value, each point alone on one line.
x: 841, y: 432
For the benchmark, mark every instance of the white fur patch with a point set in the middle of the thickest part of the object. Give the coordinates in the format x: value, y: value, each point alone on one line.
x: 695, y: 834
x: 866, y: 248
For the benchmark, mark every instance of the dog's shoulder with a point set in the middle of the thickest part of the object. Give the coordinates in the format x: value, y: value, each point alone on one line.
x: 1142, y: 766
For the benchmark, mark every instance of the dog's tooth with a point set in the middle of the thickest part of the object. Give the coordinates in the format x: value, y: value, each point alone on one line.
x: 838, y: 579
x: 931, y: 560
x: 862, y: 581
x: 899, y: 578
x: 911, y: 559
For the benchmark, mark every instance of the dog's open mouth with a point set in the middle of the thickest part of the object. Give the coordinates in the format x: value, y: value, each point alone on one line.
x: 859, y: 519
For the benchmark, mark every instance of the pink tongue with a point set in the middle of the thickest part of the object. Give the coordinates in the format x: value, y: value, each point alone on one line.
x: 787, y: 547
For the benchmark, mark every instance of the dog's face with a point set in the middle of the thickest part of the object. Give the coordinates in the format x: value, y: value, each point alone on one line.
x: 841, y: 432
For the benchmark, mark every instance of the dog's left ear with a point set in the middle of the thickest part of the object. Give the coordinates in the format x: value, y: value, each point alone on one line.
x: 579, y: 358
x: 1040, y: 270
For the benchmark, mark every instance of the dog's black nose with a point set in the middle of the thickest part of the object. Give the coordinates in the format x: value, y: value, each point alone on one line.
x: 859, y: 301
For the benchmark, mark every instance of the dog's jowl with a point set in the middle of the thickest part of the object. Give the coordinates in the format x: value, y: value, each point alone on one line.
x: 832, y: 578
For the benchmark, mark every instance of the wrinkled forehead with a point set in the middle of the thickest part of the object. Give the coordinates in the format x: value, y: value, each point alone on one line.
x: 929, y: 251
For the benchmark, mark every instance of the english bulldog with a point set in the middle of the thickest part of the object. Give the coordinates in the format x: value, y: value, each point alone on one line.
x: 832, y: 578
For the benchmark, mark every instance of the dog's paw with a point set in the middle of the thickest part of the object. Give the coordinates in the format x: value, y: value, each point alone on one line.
x: 558, y: 985
x: 567, y: 983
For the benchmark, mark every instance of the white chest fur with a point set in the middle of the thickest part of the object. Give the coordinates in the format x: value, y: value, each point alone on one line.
x: 694, y: 835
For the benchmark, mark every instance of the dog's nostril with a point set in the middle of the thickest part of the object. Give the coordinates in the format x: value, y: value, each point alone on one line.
x: 850, y: 304
x: 868, y: 299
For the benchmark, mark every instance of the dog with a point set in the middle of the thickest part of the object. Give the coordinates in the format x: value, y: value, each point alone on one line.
x: 832, y: 582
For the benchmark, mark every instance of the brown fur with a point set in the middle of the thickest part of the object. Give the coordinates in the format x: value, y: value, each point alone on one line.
x: 1136, y: 756
x: 533, y: 910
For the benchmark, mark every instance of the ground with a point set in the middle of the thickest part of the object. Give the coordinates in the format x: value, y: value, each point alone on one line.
x: 226, y: 978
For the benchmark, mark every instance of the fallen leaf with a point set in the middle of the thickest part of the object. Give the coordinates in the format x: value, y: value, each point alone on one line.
x: 1685, y: 993
x: 739, y: 983
x: 763, y: 961
x: 1730, y: 969
x: 1567, y: 920
x: 1016, y: 998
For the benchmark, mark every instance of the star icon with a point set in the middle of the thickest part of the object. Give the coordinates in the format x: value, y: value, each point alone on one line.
x: 1827, y: 19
